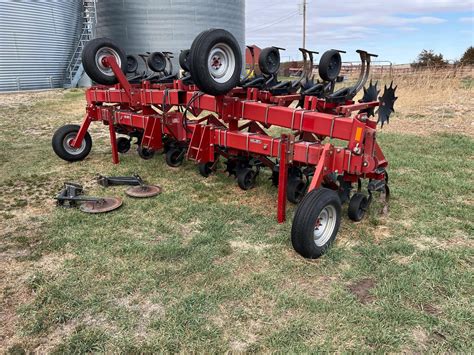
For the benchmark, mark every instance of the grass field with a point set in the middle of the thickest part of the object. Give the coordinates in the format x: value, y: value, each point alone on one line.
x: 205, y: 266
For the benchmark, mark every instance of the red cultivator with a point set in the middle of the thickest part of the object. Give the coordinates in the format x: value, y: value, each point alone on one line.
x: 211, y: 114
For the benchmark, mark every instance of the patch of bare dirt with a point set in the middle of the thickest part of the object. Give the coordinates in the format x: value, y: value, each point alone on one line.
x: 361, y: 289
x: 420, y: 337
x: 243, y: 323
x: 456, y: 241
x: 29, y: 98
x: 403, y: 259
x: 317, y: 288
x: 21, y: 196
x: 143, y: 306
x: 247, y: 270
x: 14, y: 292
x: 189, y: 230
x: 430, y: 309
x: 54, y: 338
x: 240, y: 245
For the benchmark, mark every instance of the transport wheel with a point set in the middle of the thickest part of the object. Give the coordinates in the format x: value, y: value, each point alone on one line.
x: 205, y: 169
x: 123, y: 145
x: 358, y: 205
x: 62, y: 139
x: 132, y: 64
x: 316, y: 223
x: 269, y: 60
x: 93, y: 54
x: 157, y: 61
x: 145, y: 153
x: 246, y: 178
x: 296, y: 189
x: 174, y: 157
x: 183, y: 59
x: 330, y: 65
x: 215, y: 61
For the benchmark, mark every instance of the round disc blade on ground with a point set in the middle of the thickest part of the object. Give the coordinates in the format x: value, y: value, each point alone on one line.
x: 143, y: 191
x: 105, y: 204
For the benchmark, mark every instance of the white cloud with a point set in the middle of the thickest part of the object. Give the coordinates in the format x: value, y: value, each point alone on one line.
x: 466, y: 19
x: 407, y: 29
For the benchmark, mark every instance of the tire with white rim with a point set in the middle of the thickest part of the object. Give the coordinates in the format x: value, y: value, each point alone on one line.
x: 215, y: 61
x: 62, y: 140
x: 92, y: 59
x: 316, y: 223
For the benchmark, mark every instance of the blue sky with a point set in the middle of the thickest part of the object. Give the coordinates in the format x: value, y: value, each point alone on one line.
x: 397, y: 30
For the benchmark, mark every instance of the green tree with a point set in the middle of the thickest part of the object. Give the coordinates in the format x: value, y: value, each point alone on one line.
x: 468, y: 56
x: 428, y: 58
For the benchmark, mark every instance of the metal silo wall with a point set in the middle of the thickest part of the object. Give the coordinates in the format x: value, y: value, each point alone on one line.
x: 37, y: 39
x: 167, y: 25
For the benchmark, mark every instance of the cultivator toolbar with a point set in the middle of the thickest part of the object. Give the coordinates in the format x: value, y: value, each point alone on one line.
x: 211, y: 113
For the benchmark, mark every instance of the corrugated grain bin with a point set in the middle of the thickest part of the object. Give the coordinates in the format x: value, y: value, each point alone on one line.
x: 37, y: 39
x: 167, y: 25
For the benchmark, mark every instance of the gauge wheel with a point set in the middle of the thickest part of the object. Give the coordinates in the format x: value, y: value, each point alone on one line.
x: 358, y: 205
x: 61, y: 143
x: 316, y: 223
x: 174, y: 157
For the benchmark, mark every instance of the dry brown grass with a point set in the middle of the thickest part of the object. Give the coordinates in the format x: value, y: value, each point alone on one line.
x: 429, y: 104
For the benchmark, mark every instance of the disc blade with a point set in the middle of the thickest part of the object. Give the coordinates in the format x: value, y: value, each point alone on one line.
x: 370, y: 94
x: 105, y: 204
x: 143, y: 191
x: 387, y: 103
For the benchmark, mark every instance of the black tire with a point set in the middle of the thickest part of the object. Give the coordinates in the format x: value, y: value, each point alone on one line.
x: 157, y: 62
x: 65, y: 134
x: 220, y: 81
x: 246, y: 178
x: 275, y: 178
x: 205, y: 169
x: 317, y: 206
x: 296, y: 189
x: 183, y: 60
x: 330, y: 65
x: 358, y: 205
x: 132, y: 64
x: 123, y: 145
x: 145, y: 153
x: 92, y: 53
x: 269, y: 60
x: 168, y: 144
x: 174, y: 157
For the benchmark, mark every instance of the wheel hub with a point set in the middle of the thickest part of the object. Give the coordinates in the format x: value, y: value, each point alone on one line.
x: 324, y: 226
x: 221, y: 63
x: 216, y: 62
x: 100, y: 56
x: 67, y: 144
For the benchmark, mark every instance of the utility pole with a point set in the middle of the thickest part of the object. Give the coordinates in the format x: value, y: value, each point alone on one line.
x: 304, y: 23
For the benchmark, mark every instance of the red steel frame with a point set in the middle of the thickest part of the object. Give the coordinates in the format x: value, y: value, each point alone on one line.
x: 130, y: 107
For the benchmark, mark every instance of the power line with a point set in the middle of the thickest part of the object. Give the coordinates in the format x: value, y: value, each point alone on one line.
x: 277, y: 21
